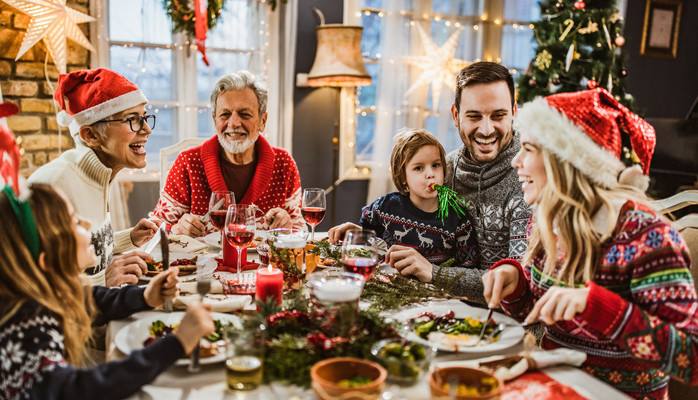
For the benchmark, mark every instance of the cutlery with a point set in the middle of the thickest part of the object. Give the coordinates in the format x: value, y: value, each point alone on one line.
x: 154, y: 240
x: 165, y: 249
x: 203, y: 286
x: 484, y: 325
x: 207, y: 216
x: 530, y: 324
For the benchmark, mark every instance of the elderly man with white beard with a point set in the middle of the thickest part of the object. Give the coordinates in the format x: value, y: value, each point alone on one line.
x: 238, y: 159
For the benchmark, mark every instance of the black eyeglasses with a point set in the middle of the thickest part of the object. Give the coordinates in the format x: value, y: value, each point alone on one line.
x: 135, y: 122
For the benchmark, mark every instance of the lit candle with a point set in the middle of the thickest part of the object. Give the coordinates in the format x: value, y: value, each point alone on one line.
x: 338, y: 291
x: 270, y: 282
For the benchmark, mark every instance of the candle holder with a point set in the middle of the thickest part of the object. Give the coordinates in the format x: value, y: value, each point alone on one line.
x: 334, y: 297
x: 287, y: 252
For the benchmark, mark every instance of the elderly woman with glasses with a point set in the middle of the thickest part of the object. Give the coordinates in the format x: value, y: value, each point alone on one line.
x: 106, y: 116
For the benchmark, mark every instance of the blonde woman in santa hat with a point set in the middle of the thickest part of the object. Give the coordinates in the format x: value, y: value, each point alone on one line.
x: 603, y: 271
x: 106, y: 115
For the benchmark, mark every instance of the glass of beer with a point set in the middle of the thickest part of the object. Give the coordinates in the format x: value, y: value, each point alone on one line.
x: 245, y: 356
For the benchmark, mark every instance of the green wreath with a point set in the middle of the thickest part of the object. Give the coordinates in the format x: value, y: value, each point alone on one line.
x: 182, y: 15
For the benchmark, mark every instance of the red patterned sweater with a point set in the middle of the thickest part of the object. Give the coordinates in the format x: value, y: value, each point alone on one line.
x: 640, y: 325
x: 197, y: 171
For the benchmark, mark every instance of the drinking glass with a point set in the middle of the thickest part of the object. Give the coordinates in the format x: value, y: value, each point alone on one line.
x: 240, y: 224
x: 313, y: 208
x: 287, y: 252
x: 218, y: 209
x: 359, y: 252
x: 334, y: 297
x: 244, y: 355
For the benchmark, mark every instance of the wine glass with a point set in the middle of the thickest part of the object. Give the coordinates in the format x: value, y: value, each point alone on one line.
x: 313, y: 208
x: 359, y: 252
x: 240, y: 224
x: 218, y: 209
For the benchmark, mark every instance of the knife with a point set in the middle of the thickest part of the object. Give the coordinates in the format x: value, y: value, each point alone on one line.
x: 484, y: 325
x: 165, y: 249
x: 154, y: 240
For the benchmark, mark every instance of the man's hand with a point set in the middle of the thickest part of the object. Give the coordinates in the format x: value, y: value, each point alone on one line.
x: 126, y: 268
x: 189, y: 225
x: 409, y: 262
x: 559, y: 304
x: 143, y: 231
x: 500, y: 283
x: 197, y: 323
x: 162, y: 287
x: 278, y: 218
x: 336, y: 233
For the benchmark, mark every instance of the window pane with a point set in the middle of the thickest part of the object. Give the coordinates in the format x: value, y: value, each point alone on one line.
x: 456, y: 7
x: 240, y: 26
x: 162, y: 136
x: 517, y: 46
x: 364, y: 136
x: 367, y: 94
x: 521, y: 10
x: 150, y: 69
x: 139, y: 21
x: 221, y: 63
x: 371, y: 38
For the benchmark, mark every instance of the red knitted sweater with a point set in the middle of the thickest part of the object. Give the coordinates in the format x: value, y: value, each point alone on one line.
x: 197, y: 171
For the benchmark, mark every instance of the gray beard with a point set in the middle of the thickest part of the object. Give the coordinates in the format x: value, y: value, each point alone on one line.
x: 238, y: 147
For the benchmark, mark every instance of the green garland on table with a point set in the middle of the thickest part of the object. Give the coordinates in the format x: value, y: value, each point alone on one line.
x: 295, y: 340
x: 182, y: 15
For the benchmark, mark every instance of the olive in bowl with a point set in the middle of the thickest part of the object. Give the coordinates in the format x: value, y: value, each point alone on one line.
x: 404, y: 360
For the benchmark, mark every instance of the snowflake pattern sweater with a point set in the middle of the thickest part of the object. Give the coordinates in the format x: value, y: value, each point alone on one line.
x: 498, y: 210
x: 32, y: 356
x: 397, y: 221
x: 197, y: 172
x: 640, y: 325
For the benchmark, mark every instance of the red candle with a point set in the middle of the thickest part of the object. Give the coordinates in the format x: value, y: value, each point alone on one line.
x: 270, y: 282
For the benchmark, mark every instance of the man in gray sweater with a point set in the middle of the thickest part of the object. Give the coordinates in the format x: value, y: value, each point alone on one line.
x: 481, y: 171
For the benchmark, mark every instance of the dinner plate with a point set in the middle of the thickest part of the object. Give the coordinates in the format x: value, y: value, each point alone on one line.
x: 214, y: 240
x: 157, y: 257
x: 510, y: 336
x: 130, y: 338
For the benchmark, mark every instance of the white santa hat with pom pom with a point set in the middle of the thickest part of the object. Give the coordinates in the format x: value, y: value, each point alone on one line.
x: 88, y: 96
x: 585, y: 129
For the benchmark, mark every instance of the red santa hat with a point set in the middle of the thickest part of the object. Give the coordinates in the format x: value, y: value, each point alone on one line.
x: 88, y: 96
x: 9, y: 151
x: 592, y: 131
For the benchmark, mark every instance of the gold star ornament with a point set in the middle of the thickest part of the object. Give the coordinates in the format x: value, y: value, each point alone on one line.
x: 52, y: 21
x: 438, y: 65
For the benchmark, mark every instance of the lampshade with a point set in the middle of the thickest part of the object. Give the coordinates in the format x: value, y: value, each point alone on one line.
x: 338, y: 59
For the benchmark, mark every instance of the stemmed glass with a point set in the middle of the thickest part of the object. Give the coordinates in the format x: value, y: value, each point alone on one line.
x: 313, y: 208
x: 218, y: 209
x: 359, y: 252
x: 240, y: 224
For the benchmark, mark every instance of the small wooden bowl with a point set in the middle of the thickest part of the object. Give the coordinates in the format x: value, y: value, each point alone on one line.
x: 325, y: 375
x: 469, y: 376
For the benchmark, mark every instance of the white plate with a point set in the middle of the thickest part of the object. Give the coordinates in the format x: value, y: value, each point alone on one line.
x: 131, y: 337
x: 510, y: 336
x: 201, y: 260
x: 214, y: 240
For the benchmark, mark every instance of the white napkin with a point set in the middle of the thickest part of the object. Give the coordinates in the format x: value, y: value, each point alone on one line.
x: 190, y: 287
x: 186, y: 244
x: 219, y: 302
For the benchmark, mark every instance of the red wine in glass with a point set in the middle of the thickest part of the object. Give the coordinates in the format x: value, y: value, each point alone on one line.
x: 239, y: 239
x: 313, y: 215
x: 218, y: 218
x: 363, y: 266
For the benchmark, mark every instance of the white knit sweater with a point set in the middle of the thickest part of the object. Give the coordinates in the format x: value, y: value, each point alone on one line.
x: 82, y: 177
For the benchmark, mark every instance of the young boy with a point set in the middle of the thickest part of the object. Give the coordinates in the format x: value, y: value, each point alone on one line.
x: 407, y: 220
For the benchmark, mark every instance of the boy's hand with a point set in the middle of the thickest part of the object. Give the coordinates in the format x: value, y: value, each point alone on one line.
x: 408, y: 262
x: 336, y: 233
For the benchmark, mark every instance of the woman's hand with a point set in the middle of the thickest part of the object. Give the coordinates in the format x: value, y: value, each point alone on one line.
x: 336, y: 233
x: 189, y: 225
x: 162, y: 287
x: 500, y: 283
x: 197, y: 323
x: 559, y: 304
x: 409, y: 262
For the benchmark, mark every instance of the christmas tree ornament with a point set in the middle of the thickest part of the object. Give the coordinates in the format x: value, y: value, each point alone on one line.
x: 620, y: 41
x: 555, y: 79
x: 592, y: 84
x: 449, y: 198
x: 623, y: 73
x: 52, y: 21
x: 560, y: 6
x: 532, y: 82
x: 570, y: 24
x: 569, y: 57
x: 543, y: 60
x: 590, y: 28
x: 608, y: 37
x: 579, y: 5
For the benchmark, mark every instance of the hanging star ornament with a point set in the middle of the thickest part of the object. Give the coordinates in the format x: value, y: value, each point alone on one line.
x: 437, y: 64
x: 52, y: 21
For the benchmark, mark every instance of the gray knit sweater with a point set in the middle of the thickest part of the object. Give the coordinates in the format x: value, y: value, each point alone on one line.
x: 498, y: 211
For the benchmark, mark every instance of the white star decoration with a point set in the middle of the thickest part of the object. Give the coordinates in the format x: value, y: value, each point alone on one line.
x: 52, y: 21
x: 437, y: 64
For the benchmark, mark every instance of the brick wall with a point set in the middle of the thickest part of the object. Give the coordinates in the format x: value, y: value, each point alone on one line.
x: 24, y: 82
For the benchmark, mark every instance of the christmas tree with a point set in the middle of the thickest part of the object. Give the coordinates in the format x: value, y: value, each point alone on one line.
x: 580, y: 46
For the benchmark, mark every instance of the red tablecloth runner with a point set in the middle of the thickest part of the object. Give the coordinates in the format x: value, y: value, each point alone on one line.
x: 228, y: 268
x: 538, y: 386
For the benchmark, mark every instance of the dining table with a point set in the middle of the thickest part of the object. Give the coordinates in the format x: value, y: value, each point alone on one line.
x: 209, y: 382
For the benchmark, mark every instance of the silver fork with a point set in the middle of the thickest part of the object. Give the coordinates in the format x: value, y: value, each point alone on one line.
x: 203, y: 286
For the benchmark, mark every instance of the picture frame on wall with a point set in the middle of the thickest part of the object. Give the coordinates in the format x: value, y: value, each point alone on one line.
x: 660, y: 32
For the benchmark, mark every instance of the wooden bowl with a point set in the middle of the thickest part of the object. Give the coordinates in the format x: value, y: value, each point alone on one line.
x: 468, y: 376
x: 327, y: 373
